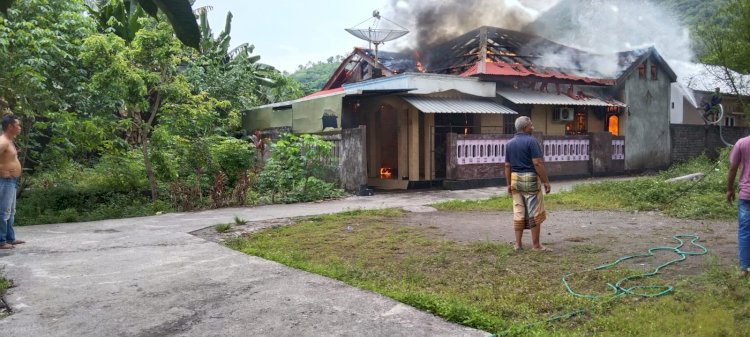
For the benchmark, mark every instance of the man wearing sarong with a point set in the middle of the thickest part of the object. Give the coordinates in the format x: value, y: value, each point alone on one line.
x: 524, y: 172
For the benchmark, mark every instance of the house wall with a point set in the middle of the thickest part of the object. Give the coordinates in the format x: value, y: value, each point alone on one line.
x: 541, y: 116
x: 307, y: 115
x: 690, y: 141
x: 690, y: 114
x: 677, y: 103
x: 491, y: 123
x: 266, y: 118
x: 304, y: 116
x: 646, y: 122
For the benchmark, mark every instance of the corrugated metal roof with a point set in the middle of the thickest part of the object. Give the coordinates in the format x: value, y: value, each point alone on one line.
x: 463, y: 104
x: 519, y: 96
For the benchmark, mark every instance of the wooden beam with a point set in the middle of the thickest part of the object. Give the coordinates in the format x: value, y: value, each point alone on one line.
x: 373, y: 148
x: 429, y: 146
x: 402, y: 118
x: 413, y: 144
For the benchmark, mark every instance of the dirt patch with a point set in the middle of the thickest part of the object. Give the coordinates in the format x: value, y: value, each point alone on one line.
x: 607, y: 235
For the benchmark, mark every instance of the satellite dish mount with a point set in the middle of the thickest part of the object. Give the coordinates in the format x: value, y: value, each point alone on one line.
x: 374, y: 34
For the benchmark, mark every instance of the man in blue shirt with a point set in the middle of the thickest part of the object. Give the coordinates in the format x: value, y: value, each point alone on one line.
x: 525, y: 174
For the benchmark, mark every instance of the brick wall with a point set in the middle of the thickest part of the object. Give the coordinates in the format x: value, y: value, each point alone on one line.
x: 690, y: 141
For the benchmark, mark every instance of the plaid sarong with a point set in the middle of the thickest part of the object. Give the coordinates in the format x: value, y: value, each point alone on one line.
x: 528, y: 200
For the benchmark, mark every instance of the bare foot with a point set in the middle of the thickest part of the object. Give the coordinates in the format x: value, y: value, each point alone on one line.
x: 743, y: 273
x: 18, y: 242
x: 7, y: 246
x: 517, y: 247
x: 542, y: 249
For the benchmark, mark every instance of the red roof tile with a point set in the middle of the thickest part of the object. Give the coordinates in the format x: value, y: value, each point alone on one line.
x: 324, y: 92
x: 506, y: 69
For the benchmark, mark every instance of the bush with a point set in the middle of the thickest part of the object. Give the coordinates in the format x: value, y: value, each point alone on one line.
x: 290, y: 174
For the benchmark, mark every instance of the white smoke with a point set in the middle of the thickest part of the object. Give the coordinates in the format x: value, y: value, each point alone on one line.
x: 606, y: 27
x: 602, y: 27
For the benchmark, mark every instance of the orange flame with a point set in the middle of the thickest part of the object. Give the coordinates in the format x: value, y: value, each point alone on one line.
x: 420, y: 65
x: 386, y: 173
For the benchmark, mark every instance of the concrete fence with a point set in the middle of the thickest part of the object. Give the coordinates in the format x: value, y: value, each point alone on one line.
x: 690, y: 141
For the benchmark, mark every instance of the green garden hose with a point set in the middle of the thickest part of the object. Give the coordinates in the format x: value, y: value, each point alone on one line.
x: 617, y: 289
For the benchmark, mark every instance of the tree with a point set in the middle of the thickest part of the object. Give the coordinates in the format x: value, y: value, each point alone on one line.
x: 235, y: 75
x: 178, y: 12
x: 141, y: 75
x: 40, y: 74
x: 314, y: 75
x: 727, y: 45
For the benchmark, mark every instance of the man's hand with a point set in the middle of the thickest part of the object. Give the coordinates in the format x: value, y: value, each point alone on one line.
x: 730, y: 196
x: 547, y: 188
x: 510, y: 190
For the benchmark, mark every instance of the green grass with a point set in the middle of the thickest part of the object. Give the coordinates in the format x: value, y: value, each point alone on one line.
x: 223, y: 228
x: 703, y: 199
x: 487, y: 286
x: 4, y: 285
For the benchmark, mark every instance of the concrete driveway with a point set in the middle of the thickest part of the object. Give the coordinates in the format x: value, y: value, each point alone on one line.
x: 149, y: 277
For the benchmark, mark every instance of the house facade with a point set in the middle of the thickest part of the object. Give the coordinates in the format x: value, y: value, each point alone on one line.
x: 444, y: 119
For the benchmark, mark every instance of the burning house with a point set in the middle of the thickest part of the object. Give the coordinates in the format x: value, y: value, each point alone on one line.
x: 442, y: 115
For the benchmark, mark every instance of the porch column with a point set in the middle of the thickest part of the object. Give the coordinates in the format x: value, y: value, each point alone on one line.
x: 402, y: 118
x: 413, y: 144
x: 373, y: 148
x: 429, y: 146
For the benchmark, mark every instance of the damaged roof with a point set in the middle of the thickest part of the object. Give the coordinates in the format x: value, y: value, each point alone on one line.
x: 495, y: 53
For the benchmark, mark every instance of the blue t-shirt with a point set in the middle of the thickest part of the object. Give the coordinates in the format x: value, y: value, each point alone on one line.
x: 520, y: 150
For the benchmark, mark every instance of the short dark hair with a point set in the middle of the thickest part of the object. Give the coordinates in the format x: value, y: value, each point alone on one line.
x: 8, y: 120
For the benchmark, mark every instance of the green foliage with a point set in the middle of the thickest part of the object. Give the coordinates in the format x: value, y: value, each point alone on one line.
x: 313, y: 76
x: 295, y: 160
x: 727, y: 43
x: 223, y: 228
x: 239, y: 221
x: 232, y: 156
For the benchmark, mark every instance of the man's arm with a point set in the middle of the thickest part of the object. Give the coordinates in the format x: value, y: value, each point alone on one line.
x: 539, y: 167
x: 733, y: 166
x: 507, y: 176
x: 4, y: 144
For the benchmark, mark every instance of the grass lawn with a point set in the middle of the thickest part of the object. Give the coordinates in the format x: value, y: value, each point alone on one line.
x: 488, y: 286
x: 4, y: 285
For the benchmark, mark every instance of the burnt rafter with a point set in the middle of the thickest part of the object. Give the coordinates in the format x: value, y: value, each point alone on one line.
x: 489, y: 53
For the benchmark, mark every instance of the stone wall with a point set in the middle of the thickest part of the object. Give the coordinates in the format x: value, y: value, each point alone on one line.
x: 352, y: 159
x: 690, y: 141
x: 599, y: 160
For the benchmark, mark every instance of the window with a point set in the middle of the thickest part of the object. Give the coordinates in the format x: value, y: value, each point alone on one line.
x: 672, y: 105
x: 579, y: 124
x: 654, y: 72
x: 729, y: 121
x: 613, y: 125
x: 642, y: 71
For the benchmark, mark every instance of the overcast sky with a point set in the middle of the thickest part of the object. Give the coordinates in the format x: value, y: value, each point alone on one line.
x: 287, y: 33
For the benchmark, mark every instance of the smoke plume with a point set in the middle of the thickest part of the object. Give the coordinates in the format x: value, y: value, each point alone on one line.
x: 602, y: 27
x: 432, y: 22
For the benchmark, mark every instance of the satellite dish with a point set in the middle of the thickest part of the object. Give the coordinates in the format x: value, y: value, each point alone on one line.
x: 370, y: 30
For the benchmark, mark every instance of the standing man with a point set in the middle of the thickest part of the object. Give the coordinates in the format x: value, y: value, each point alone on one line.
x: 10, y: 170
x: 524, y: 172
x: 740, y: 155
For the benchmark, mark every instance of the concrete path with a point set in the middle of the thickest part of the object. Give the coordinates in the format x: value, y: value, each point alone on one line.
x: 149, y: 277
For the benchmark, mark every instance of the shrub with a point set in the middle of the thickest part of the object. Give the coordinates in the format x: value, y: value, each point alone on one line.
x: 290, y: 173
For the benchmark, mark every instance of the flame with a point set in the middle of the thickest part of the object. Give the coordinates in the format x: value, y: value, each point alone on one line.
x: 386, y: 173
x: 420, y: 65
